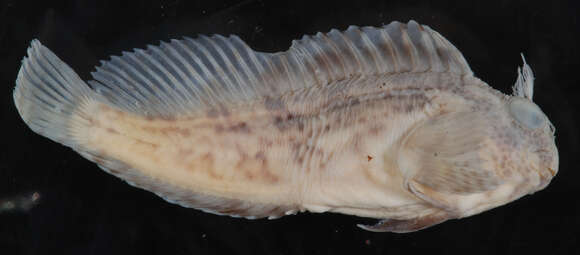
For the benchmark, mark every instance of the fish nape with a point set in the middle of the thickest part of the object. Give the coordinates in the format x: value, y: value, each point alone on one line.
x: 388, y: 123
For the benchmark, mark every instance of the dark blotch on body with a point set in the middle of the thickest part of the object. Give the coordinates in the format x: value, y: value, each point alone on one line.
x: 241, y: 127
x: 264, y: 167
x: 112, y: 131
x: 280, y: 123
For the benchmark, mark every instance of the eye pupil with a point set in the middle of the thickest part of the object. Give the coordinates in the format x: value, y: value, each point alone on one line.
x: 527, y: 113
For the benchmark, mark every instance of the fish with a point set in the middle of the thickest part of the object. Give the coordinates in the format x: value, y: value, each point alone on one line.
x: 379, y: 122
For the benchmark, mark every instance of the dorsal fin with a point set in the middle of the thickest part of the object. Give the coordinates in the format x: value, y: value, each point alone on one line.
x: 188, y: 75
x: 394, y: 48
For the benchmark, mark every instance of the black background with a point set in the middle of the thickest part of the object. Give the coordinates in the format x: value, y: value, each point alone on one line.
x: 86, y: 211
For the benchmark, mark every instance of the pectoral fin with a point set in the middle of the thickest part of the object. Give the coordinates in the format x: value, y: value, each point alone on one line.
x: 445, y: 154
x: 405, y: 226
x: 443, y: 160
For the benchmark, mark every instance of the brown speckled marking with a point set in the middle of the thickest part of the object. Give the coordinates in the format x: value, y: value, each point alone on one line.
x: 112, y: 131
x: 219, y: 128
x: 287, y: 120
x: 140, y: 141
x: 209, y: 160
x: 265, y: 131
x: 264, y: 172
x: 240, y: 127
x: 184, y: 132
x: 296, y: 149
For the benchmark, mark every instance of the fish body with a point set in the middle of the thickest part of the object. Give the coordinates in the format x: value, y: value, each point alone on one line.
x: 388, y: 123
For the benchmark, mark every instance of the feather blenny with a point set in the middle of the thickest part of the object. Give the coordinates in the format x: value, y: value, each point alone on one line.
x: 388, y: 123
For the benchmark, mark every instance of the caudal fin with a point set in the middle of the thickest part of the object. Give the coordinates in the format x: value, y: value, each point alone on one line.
x: 48, y: 93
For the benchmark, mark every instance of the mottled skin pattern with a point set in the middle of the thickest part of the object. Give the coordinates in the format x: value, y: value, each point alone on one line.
x: 378, y: 122
x: 321, y: 151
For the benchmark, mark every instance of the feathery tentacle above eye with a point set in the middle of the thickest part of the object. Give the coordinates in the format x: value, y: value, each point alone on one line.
x: 524, y: 86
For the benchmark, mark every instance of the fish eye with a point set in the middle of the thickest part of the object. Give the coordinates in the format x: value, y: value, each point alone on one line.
x: 527, y: 113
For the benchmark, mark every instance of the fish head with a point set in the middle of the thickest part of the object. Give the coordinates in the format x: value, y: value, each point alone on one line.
x: 470, y: 159
x: 532, y: 136
x: 534, y: 153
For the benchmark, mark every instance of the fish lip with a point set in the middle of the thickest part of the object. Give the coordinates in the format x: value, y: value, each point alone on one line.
x: 544, y: 178
x: 552, y: 171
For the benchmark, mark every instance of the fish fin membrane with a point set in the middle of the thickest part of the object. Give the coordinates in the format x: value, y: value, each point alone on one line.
x: 49, y: 93
x: 444, y: 155
x: 408, y: 225
x: 186, y: 197
x: 190, y: 75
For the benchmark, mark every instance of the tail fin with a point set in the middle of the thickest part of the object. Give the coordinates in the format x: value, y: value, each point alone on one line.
x: 49, y: 93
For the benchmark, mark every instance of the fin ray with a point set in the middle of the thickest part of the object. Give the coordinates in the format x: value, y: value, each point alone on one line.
x: 445, y: 156
x: 191, y: 75
x: 48, y: 93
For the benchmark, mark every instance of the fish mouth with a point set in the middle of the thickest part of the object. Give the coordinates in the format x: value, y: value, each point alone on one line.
x: 552, y: 171
x: 546, y: 178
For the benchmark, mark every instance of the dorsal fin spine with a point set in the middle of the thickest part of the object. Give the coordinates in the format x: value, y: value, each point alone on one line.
x: 393, y: 55
x: 207, y: 83
x: 214, y: 80
x: 146, y: 70
x: 353, y: 36
x: 313, y: 67
x: 394, y: 33
x: 164, y: 77
x: 356, y: 54
x: 230, y: 66
x: 206, y: 49
x: 375, y: 52
x: 254, y: 61
x: 109, y: 71
x: 169, y: 77
x: 188, y: 71
x: 184, y: 84
x: 239, y: 58
x: 432, y: 53
x: 315, y: 64
x: 407, y: 41
x: 283, y: 60
x: 324, y: 39
x: 135, y: 76
x: 101, y: 75
x: 266, y: 60
x: 296, y: 63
